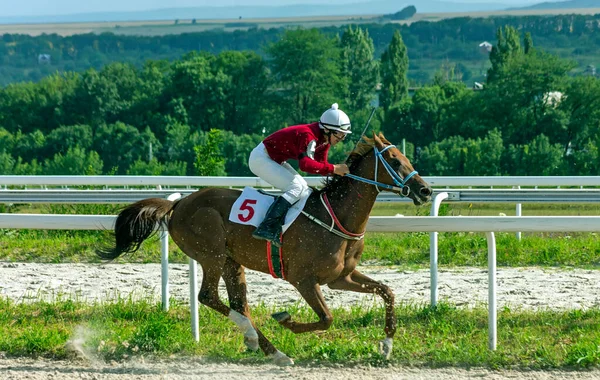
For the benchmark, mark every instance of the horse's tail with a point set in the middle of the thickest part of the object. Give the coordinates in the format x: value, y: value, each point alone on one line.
x: 136, y: 223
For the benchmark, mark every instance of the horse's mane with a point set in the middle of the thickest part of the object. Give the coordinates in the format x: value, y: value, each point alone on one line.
x: 364, y: 146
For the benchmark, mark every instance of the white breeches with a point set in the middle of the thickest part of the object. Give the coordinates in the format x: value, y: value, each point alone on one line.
x: 282, y: 176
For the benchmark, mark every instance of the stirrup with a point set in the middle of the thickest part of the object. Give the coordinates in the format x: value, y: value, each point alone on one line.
x: 265, y: 234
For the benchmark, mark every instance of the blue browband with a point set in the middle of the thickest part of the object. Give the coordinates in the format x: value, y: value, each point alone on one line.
x: 398, y: 180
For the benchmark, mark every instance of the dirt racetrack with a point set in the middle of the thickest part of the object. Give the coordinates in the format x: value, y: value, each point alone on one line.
x: 21, y: 369
x: 466, y: 287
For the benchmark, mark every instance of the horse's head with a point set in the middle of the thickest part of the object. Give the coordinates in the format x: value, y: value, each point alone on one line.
x: 390, y: 170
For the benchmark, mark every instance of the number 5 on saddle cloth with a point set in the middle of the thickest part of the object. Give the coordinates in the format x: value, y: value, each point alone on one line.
x: 252, y: 205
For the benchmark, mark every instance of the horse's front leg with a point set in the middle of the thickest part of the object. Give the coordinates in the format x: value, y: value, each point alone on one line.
x: 311, y: 292
x: 358, y: 282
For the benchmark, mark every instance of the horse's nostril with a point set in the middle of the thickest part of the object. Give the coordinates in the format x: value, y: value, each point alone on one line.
x: 425, y: 191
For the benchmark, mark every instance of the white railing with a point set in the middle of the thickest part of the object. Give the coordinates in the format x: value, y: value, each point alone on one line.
x: 493, y: 181
x: 376, y: 224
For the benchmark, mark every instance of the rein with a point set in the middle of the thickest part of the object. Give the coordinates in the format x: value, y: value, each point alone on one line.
x: 400, y: 187
x: 334, y: 222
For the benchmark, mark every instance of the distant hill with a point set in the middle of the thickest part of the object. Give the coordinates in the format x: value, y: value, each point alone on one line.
x: 564, y: 5
x: 295, y: 10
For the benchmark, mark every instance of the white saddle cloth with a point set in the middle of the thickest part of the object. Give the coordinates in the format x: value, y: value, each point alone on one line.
x: 252, y: 205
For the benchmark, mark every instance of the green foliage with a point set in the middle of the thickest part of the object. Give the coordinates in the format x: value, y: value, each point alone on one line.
x: 237, y: 149
x: 305, y: 67
x: 62, y: 138
x: 147, y: 118
x: 155, y: 168
x: 394, y: 67
x: 76, y: 161
x: 245, y: 91
x: 539, y: 156
x: 209, y: 156
x: 508, y: 47
x: 201, y: 90
x: 120, y: 145
x: 359, y: 68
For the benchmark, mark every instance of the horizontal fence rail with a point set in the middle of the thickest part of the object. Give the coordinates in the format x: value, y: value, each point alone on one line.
x: 11, y: 180
x: 454, y: 195
x: 375, y: 224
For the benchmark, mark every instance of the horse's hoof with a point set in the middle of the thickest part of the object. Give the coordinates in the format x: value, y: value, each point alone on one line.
x: 281, y: 359
x: 251, y: 342
x: 281, y: 317
x: 385, y: 348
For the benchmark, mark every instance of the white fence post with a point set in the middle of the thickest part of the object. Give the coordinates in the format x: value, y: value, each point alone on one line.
x: 492, y: 303
x: 164, y: 260
x: 164, y: 269
x: 433, y: 249
x: 193, y: 273
x: 518, y: 213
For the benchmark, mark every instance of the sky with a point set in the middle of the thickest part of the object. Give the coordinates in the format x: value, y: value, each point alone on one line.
x: 9, y: 8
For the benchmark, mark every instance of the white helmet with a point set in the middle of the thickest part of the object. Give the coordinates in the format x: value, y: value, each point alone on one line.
x: 335, y: 119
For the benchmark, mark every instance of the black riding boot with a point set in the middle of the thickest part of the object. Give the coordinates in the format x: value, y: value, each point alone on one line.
x: 270, y: 228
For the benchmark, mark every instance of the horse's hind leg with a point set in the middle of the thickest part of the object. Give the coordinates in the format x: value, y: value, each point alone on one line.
x: 358, y: 282
x: 209, y: 296
x: 235, y: 281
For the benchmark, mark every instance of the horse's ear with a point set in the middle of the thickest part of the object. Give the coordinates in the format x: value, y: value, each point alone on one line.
x: 377, y: 141
x: 383, y: 139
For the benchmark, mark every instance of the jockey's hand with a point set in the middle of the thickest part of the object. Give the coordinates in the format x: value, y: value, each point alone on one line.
x: 341, y: 169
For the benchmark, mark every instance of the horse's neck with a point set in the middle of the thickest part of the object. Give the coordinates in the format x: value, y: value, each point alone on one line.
x: 352, y: 202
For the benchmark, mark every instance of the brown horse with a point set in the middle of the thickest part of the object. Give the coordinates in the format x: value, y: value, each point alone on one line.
x: 312, y: 255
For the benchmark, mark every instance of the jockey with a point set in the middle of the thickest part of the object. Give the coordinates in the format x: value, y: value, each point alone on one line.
x: 307, y: 143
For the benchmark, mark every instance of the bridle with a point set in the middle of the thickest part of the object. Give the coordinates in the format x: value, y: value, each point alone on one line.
x: 400, y: 187
x: 400, y: 182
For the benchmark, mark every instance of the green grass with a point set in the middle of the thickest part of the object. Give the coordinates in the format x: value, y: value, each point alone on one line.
x: 444, y: 336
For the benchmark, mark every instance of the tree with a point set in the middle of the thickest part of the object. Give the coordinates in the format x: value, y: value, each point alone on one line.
x: 394, y: 67
x: 62, y: 138
x: 120, y: 145
x: 154, y: 167
x: 76, y: 161
x: 200, y: 89
x: 527, y: 43
x: 105, y: 96
x: 209, y: 156
x: 483, y: 156
x: 237, y: 149
x: 244, y: 92
x: 29, y: 145
x: 7, y: 140
x: 7, y: 163
x: 586, y: 160
x: 507, y: 47
x: 582, y: 103
x: 305, y: 66
x: 516, y: 104
x: 359, y: 68
x: 427, y: 103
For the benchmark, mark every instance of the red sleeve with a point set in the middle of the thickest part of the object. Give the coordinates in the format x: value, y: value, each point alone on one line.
x: 319, y: 165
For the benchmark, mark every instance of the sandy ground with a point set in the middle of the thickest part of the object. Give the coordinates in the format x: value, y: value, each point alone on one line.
x: 517, y: 287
